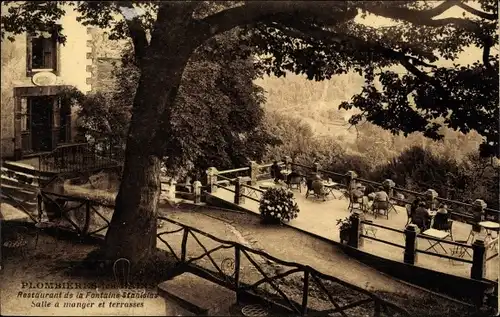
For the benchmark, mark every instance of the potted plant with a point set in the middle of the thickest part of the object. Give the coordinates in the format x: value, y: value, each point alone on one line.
x: 344, y: 228
x: 277, y: 206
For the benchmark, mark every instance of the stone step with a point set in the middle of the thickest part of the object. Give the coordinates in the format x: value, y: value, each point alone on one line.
x: 26, y: 169
x: 20, y: 183
x: 7, y: 171
x: 18, y: 192
x: 198, y: 295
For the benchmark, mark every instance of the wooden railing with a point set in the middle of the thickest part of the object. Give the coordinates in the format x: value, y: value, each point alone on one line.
x: 300, y: 290
x: 238, y: 267
x: 78, y: 157
x: 458, y: 209
x: 84, y: 216
x: 464, y: 252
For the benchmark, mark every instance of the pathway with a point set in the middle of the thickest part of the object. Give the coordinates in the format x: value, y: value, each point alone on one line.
x: 286, y: 244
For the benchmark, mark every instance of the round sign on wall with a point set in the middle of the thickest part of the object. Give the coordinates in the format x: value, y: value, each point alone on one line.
x: 44, y: 79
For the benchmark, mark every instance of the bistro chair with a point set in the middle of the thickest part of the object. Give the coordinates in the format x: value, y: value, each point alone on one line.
x: 356, y: 202
x: 381, y: 208
x: 408, y: 214
x: 53, y: 220
x: 442, y: 222
x: 295, y: 180
x: 121, y: 271
x: 460, y: 251
x: 16, y: 239
x: 319, y: 189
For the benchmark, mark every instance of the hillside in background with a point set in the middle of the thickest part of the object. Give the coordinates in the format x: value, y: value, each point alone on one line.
x: 316, y: 103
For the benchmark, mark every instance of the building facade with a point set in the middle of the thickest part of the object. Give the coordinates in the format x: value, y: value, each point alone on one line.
x: 35, y: 69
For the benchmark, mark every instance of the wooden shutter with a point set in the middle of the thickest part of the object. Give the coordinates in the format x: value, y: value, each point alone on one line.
x: 29, y: 53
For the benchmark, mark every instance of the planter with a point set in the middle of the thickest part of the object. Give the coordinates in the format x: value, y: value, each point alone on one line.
x: 270, y: 221
x: 344, y: 236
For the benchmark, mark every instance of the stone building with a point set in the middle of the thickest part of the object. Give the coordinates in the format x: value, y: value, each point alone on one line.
x: 35, y: 69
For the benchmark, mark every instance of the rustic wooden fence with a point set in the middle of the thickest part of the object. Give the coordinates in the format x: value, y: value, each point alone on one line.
x: 300, y: 290
x: 465, y: 212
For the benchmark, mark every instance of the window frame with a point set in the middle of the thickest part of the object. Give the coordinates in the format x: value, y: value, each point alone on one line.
x: 29, y: 55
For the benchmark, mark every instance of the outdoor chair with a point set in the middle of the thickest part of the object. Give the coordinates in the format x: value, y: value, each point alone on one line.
x: 121, y: 271
x: 421, y: 223
x: 319, y: 189
x: 295, y: 180
x: 16, y: 239
x: 381, y: 208
x: 442, y: 222
x: 309, y: 186
x: 356, y: 202
x: 368, y: 229
x: 461, y: 251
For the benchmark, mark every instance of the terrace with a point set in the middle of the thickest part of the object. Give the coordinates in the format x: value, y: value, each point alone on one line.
x: 381, y: 237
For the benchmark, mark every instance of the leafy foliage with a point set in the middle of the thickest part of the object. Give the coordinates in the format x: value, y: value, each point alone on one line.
x: 277, y: 205
x: 324, y: 40
x: 217, y: 118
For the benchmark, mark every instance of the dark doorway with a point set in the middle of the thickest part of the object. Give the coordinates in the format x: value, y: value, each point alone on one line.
x: 41, y: 122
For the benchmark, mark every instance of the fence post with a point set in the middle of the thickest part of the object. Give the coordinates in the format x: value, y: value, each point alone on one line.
x: 87, y: 218
x: 305, y: 292
x: 239, y: 190
x: 316, y: 167
x: 350, y: 179
x: 197, y: 192
x: 288, y: 163
x: 171, y: 189
x: 388, y: 185
x: 39, y: 201
x: 184, y: 245
x: 212, y: 179
x: 410, y: 253
x: 355, y: 239
x: 237, y: 272
x: 430, y: 197
x: 254, y: 171
x: 478, y: 213
x: 478, y: 268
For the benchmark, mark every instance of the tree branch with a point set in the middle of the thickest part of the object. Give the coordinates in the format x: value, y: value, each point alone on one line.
x: 136, y: 29
x: 311, y: 33
x: 255, y: 11
x: 481, y: 14
x: 421, y: 17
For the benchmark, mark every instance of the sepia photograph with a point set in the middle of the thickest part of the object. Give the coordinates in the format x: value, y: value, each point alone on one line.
x: 250, y: 158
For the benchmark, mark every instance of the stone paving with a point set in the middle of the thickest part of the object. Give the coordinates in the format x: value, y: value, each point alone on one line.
x: 319, y: 217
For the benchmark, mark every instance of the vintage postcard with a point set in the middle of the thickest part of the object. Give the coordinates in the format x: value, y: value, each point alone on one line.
x: 249, y: 158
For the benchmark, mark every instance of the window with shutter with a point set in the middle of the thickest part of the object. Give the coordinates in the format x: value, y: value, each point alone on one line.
x: 41, y: 53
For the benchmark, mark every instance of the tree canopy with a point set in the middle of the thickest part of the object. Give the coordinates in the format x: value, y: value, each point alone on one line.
x: 319, y: 39
x: 332, y: 41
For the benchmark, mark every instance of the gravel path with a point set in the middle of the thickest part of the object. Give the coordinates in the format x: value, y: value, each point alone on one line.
x: 286, y: 244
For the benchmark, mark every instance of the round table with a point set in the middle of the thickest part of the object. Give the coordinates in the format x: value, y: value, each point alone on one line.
x: 490, y: 226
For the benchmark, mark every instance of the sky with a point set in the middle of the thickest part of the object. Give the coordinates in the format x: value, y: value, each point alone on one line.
x: 469, y: 56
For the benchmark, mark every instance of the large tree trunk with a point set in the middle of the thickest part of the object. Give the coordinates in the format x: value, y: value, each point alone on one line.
x: 132, y: 232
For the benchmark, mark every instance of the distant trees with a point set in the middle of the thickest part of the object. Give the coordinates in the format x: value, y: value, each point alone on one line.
x: 319, y: 39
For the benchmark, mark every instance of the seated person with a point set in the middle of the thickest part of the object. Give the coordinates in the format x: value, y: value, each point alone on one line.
x: 441, y: 220
x: 443, y: 209
x: 358, y: 192
x: 310, y: 179
x: 293, y: 176
x: 317, y: 186
x: 381, y: 200
x: 276, y: 172
x: 421, y: 217
x: 414, y: 205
